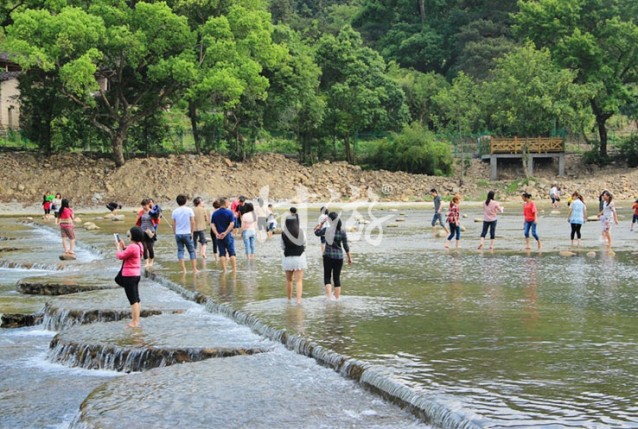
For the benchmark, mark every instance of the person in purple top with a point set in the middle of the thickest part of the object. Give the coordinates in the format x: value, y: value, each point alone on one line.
x: 223, y: 223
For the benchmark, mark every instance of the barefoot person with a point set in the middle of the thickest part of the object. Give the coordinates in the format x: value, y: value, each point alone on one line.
x: 438, y: 214
x: 131, y: 257
x: 202, y: 219
x: 336, y: 244
x: 491, y: 209
x: 577, y: 216
x: 145, y: 222
x: 183, y: 227
x: 293, y: 243
x: 223, y: 223
x: 249, y: 230
x: 67, y: 230
x: 454, y: 220
x: 530, y: 215
x: 607, y: 215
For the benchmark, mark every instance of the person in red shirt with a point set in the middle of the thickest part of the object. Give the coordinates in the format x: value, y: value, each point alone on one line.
x: 531, y: 217
x: 635, y: 218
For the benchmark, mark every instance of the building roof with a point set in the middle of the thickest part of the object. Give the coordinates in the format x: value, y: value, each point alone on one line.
x: 4, y: 76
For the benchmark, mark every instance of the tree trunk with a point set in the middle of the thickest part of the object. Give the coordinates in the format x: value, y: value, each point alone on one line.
x: 192, y: 114
x: 117, y: 141
x: 422, y: 10
x: 601, y: 123
x: 348, y: 148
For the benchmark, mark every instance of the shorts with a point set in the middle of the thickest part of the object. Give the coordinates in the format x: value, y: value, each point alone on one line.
x: 226, y: 245
x: 199, y: 236
x: 635, y: 219
x: 131, y: 287
x: 67, y: 232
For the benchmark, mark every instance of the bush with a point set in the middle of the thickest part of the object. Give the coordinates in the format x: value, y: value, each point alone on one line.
x: 414, y: 150
x: 593, y: 156
x: 629, y: 150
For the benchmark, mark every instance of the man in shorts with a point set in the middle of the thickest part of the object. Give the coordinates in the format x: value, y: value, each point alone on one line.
x: 222, y: 224
x: 183, y: 227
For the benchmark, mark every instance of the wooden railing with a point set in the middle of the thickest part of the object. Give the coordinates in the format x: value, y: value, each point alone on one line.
x: 516, y: 145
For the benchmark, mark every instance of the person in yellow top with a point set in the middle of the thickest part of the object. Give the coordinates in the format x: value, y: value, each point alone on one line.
x: 202, y: 220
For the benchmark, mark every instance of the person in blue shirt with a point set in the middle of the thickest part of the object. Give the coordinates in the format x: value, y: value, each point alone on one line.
x: 222, y: 224
x: 577, y: 216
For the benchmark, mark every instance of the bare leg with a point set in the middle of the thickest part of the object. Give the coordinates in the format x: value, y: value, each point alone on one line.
x: 203, y: 251
x: 447, y: 244
x: 233, y: 263
x: 527, y: 243
x: 337, y: 292
x: 71, y: 245
x: 481, y: 243
x: 329, y: 291
x: 289, y: 284
x: 181, y: 262
x: 224, y: 262
x: 64, y: 246
x: 540, y: 245
x: 299, y: 287
x: 492, y: 244
x: 135, y: 315
x: 457, y: 243
x: 194, y: 265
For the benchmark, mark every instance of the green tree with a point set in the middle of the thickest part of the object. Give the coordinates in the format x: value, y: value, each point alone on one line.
x: 294, y: 105
x: 119, y: 62
x: 598, y: 40
x: 360, y: 96
x: 530, y: 100
x: 234, y: 45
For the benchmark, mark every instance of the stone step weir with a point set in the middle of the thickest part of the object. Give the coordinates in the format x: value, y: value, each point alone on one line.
x: 14, y: 265
x: 164, y: 340
x: 18, y: 320
x: 57, y: 318
x: 57, y: 286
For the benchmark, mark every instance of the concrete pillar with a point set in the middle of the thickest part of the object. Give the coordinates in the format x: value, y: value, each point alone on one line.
x: 493, y: 166
x: 530, y: 165
x: 561, y: 164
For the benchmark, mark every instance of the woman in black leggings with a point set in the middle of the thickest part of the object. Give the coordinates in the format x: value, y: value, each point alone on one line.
x: 336, y: 244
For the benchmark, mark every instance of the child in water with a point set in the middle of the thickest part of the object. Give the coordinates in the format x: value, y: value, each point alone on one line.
x: 453, y: 219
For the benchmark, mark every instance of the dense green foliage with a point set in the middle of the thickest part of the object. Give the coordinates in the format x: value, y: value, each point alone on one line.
x: 317, y: 77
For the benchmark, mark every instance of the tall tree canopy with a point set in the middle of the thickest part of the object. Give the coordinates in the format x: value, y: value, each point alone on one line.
x: 598, y: 39
x: 121, y: 62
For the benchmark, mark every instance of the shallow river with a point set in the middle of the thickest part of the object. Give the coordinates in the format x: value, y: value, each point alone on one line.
x: 506, y: 338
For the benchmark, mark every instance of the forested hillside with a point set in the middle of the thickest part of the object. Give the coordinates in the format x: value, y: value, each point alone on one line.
x: 393, y: 84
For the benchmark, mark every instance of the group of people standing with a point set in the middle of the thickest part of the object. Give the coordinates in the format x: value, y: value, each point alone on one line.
x: 491, y: 209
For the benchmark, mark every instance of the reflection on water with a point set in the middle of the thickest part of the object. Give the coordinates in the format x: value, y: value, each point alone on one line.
x: 515, y: 337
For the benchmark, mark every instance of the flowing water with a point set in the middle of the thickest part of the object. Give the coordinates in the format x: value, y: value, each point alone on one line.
x: 503, y: 339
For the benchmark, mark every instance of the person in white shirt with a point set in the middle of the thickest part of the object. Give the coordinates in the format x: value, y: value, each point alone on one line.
x: 183, y: 226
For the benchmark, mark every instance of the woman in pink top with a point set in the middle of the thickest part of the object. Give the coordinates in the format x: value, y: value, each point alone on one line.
x: 490, y: 211
x: 131, y: 257
x: 65, y: 220
x: 249, y: 229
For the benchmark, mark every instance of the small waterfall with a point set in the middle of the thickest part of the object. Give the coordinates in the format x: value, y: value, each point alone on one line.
x: 133, y: 359
x: 425, y: 408
x: 56, y: 287
x: 56, y: 319
x: 12, y: 265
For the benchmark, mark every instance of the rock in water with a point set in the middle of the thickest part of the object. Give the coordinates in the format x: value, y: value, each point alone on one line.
x: 478, y: 219
x: 67, y: 257
x: 118, y: 218
x: 591, y: 254
x: 566, y: 253
x: 593, y: 218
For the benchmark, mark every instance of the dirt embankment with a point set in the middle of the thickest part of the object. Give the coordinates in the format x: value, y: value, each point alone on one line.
x: 25, y: 177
